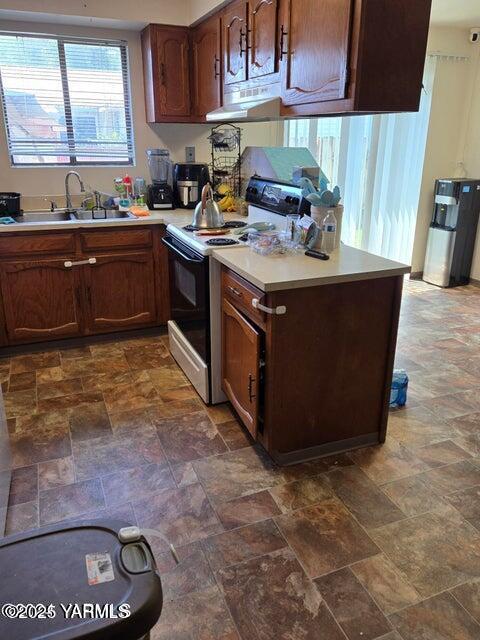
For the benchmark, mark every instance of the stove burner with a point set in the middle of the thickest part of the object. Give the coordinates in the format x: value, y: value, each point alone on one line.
x: 221, y: 242
x: 190, y: 227
x: 235, y: 224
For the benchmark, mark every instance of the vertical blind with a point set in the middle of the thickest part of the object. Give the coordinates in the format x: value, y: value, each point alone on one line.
x: 66, y: 101
x: 378, y: 163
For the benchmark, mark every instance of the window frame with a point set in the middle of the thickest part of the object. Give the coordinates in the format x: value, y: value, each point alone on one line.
x: 127, y: 101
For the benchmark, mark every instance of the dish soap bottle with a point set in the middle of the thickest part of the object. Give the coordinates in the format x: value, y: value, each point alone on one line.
x: 329, y: 232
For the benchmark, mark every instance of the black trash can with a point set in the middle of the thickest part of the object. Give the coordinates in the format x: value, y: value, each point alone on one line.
x: 78, y: 581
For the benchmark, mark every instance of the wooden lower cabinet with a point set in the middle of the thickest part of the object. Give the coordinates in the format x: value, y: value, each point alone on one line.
x: 41, y: 300
x: 111, y: 280
x: 241, y: 361
x: 120, y: 292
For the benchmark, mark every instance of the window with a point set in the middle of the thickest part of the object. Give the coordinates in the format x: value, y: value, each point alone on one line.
x: 378, y: 162
x: 66, y: 101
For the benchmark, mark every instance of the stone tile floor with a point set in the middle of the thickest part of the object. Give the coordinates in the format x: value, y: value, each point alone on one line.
x: 383, y: 542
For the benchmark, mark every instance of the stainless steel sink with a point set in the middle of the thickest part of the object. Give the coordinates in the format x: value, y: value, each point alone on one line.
x: 44, y: 216
x: 110, y: 214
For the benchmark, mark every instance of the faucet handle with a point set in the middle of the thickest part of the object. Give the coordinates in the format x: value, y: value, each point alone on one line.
x: 53, y: 204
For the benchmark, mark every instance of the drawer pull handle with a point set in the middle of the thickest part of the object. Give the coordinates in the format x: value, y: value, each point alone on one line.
x: 281, y: 310
x: 68, y: 263
x: 251, y: 380
x: 235, y: 291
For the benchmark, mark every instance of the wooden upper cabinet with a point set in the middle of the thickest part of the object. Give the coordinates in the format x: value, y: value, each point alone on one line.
x: 207, y: 66
x: 235, y: 40
x: 316, y: 47
x: 41, y: 299
x: 263, y: 38
x: 241, y: 345
x: 166, y: 72
x: 120, y: 290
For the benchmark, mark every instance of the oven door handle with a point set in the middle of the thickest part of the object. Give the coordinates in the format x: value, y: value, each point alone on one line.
x: 176, y: 250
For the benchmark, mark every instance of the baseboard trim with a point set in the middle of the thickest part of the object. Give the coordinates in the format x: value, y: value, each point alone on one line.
x: 416, y: 275
x: 327, y: 449
x: 476, y: 283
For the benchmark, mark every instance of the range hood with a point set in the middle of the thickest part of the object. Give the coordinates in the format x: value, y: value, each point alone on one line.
x: 266, y: 108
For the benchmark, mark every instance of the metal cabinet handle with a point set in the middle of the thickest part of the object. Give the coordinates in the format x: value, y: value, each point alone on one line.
x: 281, y: 310
x: 162, y: 73
x: 251, y: 380
x: 235, y: 291
x: 283, y: 33
x: 216, y: 68
x: 69, y: 263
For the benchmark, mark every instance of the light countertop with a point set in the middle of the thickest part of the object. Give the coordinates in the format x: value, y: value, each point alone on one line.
x: 276, y: 273
x: 168, y: 216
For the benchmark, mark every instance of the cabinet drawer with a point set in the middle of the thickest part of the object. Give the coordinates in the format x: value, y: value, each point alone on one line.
x: 241, y: 293
x: 36, y: 243
x: 124, y: 239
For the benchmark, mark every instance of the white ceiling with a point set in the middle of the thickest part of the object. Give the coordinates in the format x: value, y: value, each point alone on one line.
x: 456, y: 13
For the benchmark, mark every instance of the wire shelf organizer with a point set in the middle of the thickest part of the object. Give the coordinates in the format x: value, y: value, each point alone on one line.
x: 225, y: 141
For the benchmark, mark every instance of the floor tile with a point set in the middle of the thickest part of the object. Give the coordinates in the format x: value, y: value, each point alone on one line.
x: 467, y: 502
x: 441, y: 453
x: 136, y: 483
x: 189, y: 437
x: 20, y: 403
x: 49, y: 374
x: 418, y: 427
x: 179, y: 394
x: 469, y: 443
x: 438, y: 618
x: 33, y: 361
x: 77, y: 367
x: 221, y: 413
x: 353, y: 608
x: 67, y: 353
x: 59, y: 388
x: 414, y: 495
x: 167, y: 377
x: 455, y: 404
x: 387, y: 462
x: 182, y: 515
x: 325, y: 537
x: 135, y: 394
x: 468, y: 595
x: 70, y: 501
x: 89, y: 421
x: 247, y: 510
x: 244, y: 543
x: 100, y: 456
x: 23, y: 485
x: 127, y: 420
x: 467, y: 424
x: 234, y: 435
x: 435, y: 551
x: 109, y: 364
x: 22, y: 381
x: 202, y: 615
x: 390, y: 590
x: 271, y: 598
x: 301, y: 493
x: 184, y: 473
x: 106, y: 381
x: 238, y: 473
x: 69, y: 401
x: 193, y: 573
x: 163, y: 410
x: 364, y: 499
x: 55, y: 473
x: 148, y: 357
x: 452, y: 477
x: 21, y: 517
x: 40, y: 437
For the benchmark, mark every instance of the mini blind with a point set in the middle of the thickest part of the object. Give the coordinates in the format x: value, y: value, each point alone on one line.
x: 66, y: 101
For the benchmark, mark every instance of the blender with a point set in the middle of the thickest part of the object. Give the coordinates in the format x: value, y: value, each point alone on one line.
x: 160, y: 192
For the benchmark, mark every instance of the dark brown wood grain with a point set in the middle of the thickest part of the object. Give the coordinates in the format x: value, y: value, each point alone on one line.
x: 263, y: 38
x: 241, y: 343
x: 39, y: 243
x: 98, y: 240
x: 234, y: 42
x: 207, y: 66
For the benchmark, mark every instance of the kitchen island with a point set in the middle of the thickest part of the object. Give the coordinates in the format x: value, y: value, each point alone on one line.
x: 308, y: 348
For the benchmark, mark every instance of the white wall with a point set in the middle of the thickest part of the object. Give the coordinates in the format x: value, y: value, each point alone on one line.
x: 50, y: 180
x: 454, y: 128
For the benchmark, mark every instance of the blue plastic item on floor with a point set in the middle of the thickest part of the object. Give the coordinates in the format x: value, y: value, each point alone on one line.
x: 398, y: 391
x: 7, y: 220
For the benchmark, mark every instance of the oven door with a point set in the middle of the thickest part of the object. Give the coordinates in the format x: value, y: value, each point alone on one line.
x: 189, y: 294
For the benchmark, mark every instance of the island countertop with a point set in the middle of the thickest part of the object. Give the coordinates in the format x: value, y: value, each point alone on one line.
x: 277, y: 273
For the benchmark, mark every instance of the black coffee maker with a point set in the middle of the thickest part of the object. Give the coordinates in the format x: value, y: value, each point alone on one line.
x: 189, y: 178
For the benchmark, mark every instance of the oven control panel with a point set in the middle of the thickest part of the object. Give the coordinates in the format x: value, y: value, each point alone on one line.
x: 279, y: 197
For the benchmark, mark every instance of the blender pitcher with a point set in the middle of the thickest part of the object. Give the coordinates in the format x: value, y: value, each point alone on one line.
x: 160, y: 166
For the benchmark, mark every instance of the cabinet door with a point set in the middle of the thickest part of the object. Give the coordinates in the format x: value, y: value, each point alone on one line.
x: 235, y: 42
x: 206, y: 66
x: 262, y: 20
x: 120, y: 290
x: 173, y: 71
x: 41, y: 299
x: 316, y: 61
x: 241, y: 365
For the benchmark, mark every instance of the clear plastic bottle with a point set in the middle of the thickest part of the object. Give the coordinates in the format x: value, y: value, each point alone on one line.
x: 329, y: 232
